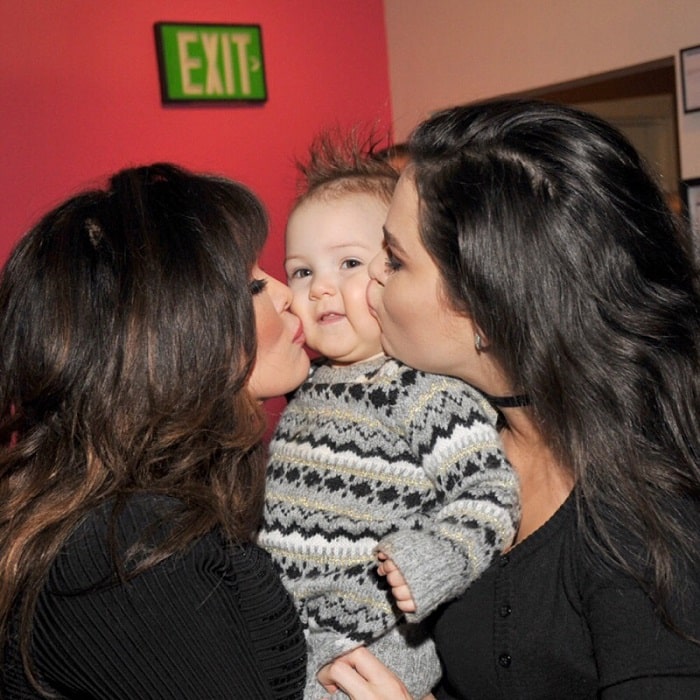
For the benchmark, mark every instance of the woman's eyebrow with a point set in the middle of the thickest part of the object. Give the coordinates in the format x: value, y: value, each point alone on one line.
x: 391, y: 240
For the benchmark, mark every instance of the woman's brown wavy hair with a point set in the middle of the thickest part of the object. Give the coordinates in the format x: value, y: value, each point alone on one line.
x: 127, y: 335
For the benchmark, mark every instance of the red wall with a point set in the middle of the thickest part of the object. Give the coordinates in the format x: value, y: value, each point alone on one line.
x: 80, y: 98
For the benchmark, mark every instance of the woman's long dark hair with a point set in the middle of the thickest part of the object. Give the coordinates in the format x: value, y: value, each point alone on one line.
x: 127, y: 335
x: 549, y: 231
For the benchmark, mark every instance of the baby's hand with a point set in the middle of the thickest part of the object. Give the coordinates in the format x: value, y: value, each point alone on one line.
x: 399, y: 587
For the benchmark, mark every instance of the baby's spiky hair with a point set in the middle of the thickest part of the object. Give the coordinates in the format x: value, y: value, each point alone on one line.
x: 345, y: 163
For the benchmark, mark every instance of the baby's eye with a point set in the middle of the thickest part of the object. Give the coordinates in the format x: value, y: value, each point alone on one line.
x: 350, y: 263
x: 299, y: 273
x: 257, y: 286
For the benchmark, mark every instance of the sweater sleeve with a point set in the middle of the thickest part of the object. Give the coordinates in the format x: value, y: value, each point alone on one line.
x: 475, y: 512
x: 175, y: 631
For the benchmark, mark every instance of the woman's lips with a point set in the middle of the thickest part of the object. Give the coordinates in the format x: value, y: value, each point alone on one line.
x: 299, y: 337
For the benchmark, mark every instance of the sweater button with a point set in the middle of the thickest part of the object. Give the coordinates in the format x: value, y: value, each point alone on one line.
x: 504, y: 560
x: 505, y: 610
x: 505, y: 660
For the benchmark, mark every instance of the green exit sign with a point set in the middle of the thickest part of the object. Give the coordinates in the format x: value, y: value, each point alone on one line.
x: 210, y: 62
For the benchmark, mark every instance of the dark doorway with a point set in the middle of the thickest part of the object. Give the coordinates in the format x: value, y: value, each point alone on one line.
x: 641, y: 101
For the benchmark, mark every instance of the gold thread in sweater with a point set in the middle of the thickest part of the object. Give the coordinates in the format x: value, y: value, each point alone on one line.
x: 319, y: 558
x: 311, y: 504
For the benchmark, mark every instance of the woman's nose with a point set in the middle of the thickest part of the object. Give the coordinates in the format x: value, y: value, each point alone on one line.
x: 377, y: 267
x: 281, y: 294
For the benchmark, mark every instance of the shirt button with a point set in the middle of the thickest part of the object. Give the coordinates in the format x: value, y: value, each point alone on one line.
x: 505, y: 660
x: 505, y: 610
x: 504, y: 560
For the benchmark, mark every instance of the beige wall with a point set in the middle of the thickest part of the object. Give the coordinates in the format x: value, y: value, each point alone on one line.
x: 444, y: 52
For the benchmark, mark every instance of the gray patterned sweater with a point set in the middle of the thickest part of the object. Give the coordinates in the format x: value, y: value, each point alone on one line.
x: 379, y: 455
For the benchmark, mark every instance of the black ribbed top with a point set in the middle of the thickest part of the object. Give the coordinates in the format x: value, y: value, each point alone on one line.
x: 214, y: 622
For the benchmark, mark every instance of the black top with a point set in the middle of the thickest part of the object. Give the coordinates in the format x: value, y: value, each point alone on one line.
x: 213, y: 622
x: 543, y: 623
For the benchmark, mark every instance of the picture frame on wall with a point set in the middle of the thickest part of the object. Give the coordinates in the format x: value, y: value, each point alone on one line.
x: 690, y: 191
x: 690, y: 78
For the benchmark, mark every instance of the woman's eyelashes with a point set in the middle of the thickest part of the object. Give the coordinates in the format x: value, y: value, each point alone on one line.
x: 391, y: 263
x: 257, y: 286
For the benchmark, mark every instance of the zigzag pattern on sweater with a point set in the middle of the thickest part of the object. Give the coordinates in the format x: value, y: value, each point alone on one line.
x: 379, y: 452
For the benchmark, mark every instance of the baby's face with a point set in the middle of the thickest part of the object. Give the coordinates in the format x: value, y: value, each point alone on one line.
x: 330, y: 242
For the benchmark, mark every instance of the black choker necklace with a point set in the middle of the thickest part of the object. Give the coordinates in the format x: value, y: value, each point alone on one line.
x: 509, y: 401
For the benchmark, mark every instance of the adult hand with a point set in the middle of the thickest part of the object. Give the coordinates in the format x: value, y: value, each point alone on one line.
x: 361, y: 676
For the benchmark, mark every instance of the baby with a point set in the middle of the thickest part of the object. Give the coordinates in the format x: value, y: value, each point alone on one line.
x: 373, y: 462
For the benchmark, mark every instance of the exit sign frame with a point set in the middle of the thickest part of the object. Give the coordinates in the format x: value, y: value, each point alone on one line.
x: 210, y: 63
